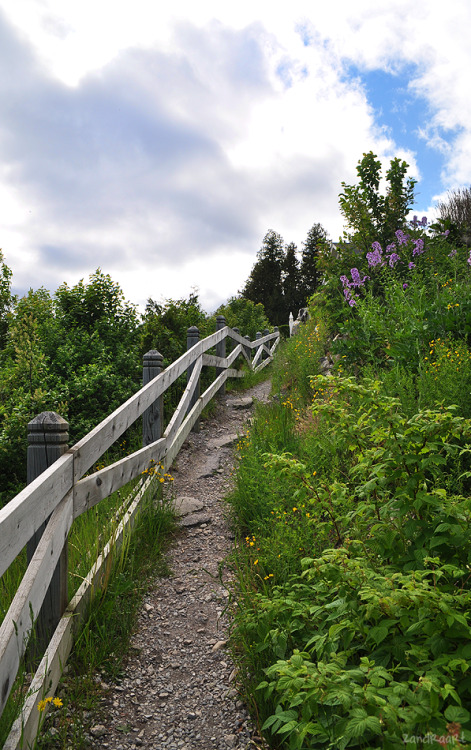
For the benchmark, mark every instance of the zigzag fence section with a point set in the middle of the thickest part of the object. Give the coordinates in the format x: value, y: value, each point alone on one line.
x: 40, y: 517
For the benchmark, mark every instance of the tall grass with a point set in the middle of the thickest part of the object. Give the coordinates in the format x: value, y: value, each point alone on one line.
x: 104, y: 638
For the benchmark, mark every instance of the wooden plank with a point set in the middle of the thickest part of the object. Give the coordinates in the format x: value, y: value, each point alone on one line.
x: 190, y: 420
x: 91, y: 490
x: 182, y: 408
x: 211, y: 361
x: 93, y: 445
x: 259, y: 353
x: 16, y: 626
x: 25, y: 513
x: 262, y: 364
x: 25, y: 728
x: 49, y: 672
x: 272, y: 350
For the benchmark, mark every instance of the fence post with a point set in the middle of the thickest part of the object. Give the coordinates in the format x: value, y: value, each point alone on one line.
x: 221, y: 350
x: 192, y: 338
x: 265, y: 333
x: 47, y: 440
x: 248, y: 350
x: 153, y: 417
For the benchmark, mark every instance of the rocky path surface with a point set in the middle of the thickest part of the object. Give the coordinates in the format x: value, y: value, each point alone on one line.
x: 178, y: 690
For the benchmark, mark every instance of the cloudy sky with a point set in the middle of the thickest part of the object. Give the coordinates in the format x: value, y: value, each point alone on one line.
x: 160, y: 141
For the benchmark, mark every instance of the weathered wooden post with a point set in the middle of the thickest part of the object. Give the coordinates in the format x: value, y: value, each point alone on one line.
x: 192, y: 338
x: 153, y: 417
x: 248, y: 350
x: 233, y: 344
x: 221, y: 350
x: 258, y: 335
x: 265, y: 333
x: 47, y: 440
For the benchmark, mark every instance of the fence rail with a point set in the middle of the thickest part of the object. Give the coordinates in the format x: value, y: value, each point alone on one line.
x: 61, y: 493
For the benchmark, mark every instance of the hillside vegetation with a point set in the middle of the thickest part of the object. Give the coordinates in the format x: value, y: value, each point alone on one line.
x: 78, y: 351
x: 352, y: 504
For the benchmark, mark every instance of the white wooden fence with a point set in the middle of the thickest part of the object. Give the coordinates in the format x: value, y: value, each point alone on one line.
x: 61, y: 493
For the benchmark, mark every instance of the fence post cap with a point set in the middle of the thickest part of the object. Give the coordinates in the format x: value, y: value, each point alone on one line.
x: 48, y: 421
x: 153, y: 354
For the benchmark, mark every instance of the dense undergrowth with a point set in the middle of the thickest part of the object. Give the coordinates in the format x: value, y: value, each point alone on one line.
x: 352, y: 510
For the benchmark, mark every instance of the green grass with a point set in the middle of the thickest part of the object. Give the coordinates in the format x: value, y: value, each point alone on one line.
x: 104, y: 638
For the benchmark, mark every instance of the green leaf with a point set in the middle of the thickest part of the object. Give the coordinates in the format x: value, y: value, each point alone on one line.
x: 378, y: 633
x: 457, y: 714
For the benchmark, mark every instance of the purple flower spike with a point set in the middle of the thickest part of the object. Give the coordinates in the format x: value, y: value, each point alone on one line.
x: 401, y: 237
x: 375, y: 258
x: 424, y: 221
x: 393, y: 259
x: 419, y: 247
x: 415, y: 221
x: 411, y: 266
x: 356, y: 278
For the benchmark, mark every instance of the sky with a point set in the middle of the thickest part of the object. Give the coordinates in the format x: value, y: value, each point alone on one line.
x: 161, y: 141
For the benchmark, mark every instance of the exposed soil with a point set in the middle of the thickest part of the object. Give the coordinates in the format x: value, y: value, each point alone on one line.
x: 178, y: 690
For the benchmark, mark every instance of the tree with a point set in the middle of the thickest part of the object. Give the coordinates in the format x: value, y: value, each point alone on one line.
x: 292, y: 297
x: 249, y: 317
x: 370, y: 215
x: 310, y: 275
x: 455, y: 216
x: 265, y: 283
x: 6, y: 299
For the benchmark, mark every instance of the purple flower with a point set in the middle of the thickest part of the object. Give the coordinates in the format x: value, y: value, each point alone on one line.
x: 390, y: 248
x: 356, y: 279
x: 418, y: 247
x: 404, y: 286
x: 453, y: 252
x: 393, y: 259
x: 424, y: 221
x: 469, y: 258
x: 376, y: 257
x: 411, y: 266
x: 344, y: 281
x: 415, y: 221
x: 401, y: 237
x: 446, y: 232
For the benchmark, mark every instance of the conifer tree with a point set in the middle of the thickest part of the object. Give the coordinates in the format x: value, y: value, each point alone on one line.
x: 265, y: 283
x: 292, y: 296
x: 309, y: 272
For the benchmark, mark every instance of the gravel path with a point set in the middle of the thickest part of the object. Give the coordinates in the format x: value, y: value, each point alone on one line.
x: 178, y: 689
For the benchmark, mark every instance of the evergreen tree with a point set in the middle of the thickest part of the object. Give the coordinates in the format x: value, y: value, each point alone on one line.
x: 265, y: 283
x: 309, y: 273
x: 292, y: 296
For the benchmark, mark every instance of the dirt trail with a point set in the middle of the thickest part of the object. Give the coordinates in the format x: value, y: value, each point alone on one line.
x: 178, y: 689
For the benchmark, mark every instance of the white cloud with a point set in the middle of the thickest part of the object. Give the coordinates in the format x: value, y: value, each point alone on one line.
x: 160, y: 142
